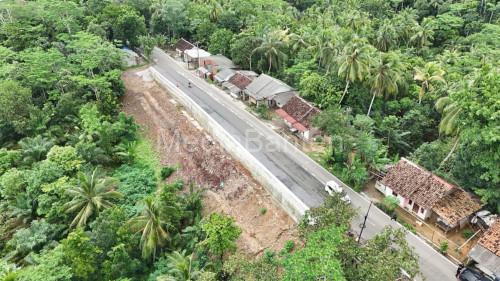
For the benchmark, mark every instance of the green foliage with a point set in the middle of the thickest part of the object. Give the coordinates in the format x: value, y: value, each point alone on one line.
x: 467, y: 233
x: 166, y: 172
x: 443, y: 247
x: 15, y: 107
x: 136, y: 182
x: 318, y: 259
x: 220, y: 42
x: 390, y: 203
x: 240, y: 268
x: 263, y: 111
x: 221, y: 234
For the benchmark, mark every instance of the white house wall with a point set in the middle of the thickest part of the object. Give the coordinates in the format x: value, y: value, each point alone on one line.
x: 404, y: 203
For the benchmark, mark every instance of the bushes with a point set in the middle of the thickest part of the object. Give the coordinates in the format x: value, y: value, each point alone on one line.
x: 443, y: 247
x: 166, y: 172
x: 467, y: 233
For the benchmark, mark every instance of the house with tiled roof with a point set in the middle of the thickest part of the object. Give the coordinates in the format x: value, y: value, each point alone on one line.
x: 298, y: 114
x: 238, y: 82
x: 424, y: 194
x: 485, y: 255
x: 181, y: 46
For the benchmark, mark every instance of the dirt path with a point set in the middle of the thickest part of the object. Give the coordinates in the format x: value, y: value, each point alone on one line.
x: 230, y: 189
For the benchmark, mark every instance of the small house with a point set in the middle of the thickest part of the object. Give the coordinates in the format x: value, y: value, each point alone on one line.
x: 238, y: 82
x: 485, y: 255
x: 269, y: 91
x: 298, y: 114
x: 216, y: 63
x: 181, y: 46
x: 193, y: 56
x: 224, y: 75
x: 426, y: 195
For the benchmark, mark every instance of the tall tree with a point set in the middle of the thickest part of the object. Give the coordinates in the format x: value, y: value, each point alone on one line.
x: 93, y: 194
x: 428, y: 76
x: 385, y: 76
x: 354, y: 62
x: 272, y: 48
x: 153, y: 228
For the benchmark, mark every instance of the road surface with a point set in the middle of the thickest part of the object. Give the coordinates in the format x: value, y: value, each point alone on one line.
x: 302, y: 175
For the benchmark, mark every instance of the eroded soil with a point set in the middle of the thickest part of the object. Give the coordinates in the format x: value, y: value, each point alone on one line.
x: 229, y: 187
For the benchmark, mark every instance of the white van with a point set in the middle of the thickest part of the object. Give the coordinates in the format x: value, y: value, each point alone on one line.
x: 333, y: 187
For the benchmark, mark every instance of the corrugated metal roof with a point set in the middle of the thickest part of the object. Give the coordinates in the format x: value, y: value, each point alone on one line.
x: 488, y: 262
x: 266, y: 86
x: 197, y: 52
x: 224, y: 75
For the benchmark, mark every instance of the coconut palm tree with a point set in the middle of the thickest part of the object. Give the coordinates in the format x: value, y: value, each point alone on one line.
x: 272, y: 48
x: 152, y: 226
x: 430, y: 74
x: 354, y: 62
x: 182, y: 267
x: 385, y: 77
x: 386, y: 36
x: 450, y: 124
x: 424, y: 34
x: 92, y: 194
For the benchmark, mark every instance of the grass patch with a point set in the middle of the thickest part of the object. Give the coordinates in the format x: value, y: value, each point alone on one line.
x: 145, y: 155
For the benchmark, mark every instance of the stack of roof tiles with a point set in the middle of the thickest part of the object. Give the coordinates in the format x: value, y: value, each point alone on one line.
x: 491, y: 238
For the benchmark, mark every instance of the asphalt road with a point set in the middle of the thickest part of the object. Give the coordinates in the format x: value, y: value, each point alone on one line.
x: 304, y: 177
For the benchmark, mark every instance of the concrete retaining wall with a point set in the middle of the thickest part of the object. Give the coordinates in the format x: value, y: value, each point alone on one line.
x: 287, y: 200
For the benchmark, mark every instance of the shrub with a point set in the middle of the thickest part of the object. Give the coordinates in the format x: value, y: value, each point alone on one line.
x: 289, y: 246
x: 467, y: 233
x: 443, y: 247
x: 263, y: 211
x: 410, y: 227
x: 391, y: 203
x: 268, y: 256
x: 166, y: 172
x: 263, y: 112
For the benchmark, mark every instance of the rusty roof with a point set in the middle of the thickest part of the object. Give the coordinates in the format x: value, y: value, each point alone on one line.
x: 457, y: 206
x: 491, y: 238
x: 414, y: 182
x: 301, y: 110
x: 240, y: 80
x: 182, y: 45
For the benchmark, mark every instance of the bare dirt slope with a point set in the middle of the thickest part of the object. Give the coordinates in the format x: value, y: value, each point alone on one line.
x: 230, y: 189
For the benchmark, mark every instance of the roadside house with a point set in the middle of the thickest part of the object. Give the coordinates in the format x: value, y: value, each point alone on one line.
x: 215, y: 64
x: 269, y: 91
x: 224, y: 75
x: 181, y: 46
x: 238, y: 82
x: 298, y: 115
x: 486, y: 253
x: 193, y: 56
x: 428, y: 196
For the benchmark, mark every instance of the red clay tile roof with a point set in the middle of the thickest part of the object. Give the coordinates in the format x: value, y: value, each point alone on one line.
x: 183, y: 45
x: 285, y: 116
x: 240, y: 80
x: 301, y: 110
x: 457, y: 206
x: 299, y: 127
x: 414, y: 182
x: 491, y: 238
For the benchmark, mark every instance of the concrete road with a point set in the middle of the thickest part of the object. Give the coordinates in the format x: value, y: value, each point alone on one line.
x: 304, y: 177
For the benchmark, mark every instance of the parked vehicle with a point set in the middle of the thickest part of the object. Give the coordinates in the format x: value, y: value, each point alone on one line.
x: 471, y: 274
x: 333, y: 187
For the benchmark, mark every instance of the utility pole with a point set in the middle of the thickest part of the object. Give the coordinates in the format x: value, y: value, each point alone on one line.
x: 364, y: 223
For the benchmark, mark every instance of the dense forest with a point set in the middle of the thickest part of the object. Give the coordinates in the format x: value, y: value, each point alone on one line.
x: 82, y: 195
